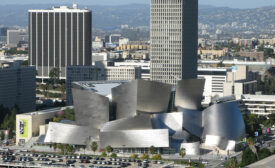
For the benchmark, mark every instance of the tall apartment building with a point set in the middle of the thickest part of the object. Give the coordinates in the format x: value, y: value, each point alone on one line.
x: 17, y: 86
x: 13, y: 37
x: 59, y: 37
x: 174, y: 40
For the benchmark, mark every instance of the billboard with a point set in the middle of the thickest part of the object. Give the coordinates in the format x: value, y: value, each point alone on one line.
x: 23, y: 128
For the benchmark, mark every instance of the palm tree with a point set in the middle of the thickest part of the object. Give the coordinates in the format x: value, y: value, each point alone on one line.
x: 94, y: 146
x: 251, y: 143
x: 152, y: 150
x: 182, y: 152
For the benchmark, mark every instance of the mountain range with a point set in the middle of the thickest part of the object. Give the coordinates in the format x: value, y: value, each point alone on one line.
x: 112, y: 17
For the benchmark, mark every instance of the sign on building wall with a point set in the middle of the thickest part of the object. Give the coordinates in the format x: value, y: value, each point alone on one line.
x: 23, y: 128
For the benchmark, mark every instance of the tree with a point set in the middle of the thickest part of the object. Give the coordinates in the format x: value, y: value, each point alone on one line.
x: 113, y: 155
x: 103, y: 154
x: 152, y: 150
x: 182, y: 152
x: 2, y: 135
x: 94, y: 146
x: 54, y: 75
x: 134, y: 156
x: 145, y: 157
x: 63, y: 91
x: 109, y: 149
x: 54, y: 146
x: 65, y: 148
x: 25, y: 63
x: 157, y: 157
x: 232, y: 163
x: 248, y: 157
x: 251, y: 143
x: 264, y: 153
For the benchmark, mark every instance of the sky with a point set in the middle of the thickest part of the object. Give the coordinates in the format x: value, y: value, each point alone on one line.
x: 225, y: 3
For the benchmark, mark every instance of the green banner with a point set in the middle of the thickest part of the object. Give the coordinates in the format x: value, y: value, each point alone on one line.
x: 23, y: 128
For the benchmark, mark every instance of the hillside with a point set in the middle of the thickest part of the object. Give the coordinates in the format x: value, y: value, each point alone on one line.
x: 111, y: 17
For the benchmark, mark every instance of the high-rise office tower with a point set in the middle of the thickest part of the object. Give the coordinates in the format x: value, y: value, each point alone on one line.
x: 174, y: 40
x: 59, y: 37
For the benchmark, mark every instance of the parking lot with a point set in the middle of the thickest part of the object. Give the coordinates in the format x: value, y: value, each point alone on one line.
x: 25, y: 159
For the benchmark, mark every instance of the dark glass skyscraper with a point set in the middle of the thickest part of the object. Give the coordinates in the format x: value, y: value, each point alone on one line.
x: 174, y: 40
x: 59, y: 37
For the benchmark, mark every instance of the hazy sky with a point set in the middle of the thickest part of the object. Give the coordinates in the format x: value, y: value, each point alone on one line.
x: 227, y: 3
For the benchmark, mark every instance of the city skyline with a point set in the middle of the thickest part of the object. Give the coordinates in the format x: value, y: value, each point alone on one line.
x: 218, y: 3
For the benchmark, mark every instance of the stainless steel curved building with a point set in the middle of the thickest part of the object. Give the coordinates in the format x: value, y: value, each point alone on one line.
x: 131, y: 123
x: 191, y: 148
x: 140, y: 96
x: 142, y: 119
x: 192, y: 121
x: 158, y: 138
x: 224, y: 120
x: 91, y: 109
x: 70, y: 134
x: 189, y: 94
x: 124, y: 100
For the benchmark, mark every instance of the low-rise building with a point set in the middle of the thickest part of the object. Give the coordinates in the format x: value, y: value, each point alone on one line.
x: 221, y: 82
x: 254, y: 56
x: 28, y: 124
x: 258, y: 104
x: 122, y: 73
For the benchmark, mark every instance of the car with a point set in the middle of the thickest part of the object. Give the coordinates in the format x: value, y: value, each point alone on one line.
x: 82, y: 166
x: 60, y: 160
x: 160, y: 162
x: 91, y: 166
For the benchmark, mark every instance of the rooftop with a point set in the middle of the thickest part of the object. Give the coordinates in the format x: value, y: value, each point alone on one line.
x: 62, y: 9
x: 268, y: 98
x: 53, y: 110
x: 103, y: 88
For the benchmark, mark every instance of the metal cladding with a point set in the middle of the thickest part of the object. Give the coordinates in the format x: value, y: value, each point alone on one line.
x: 140, y: 96
x: 135, y: 139
x: 192, y: 121
x: 153, y: 97
x: 132, y: 123
x: 171, y: 121
x: 142, y: 119
x: 224, y: 120
x: 189, y: 94
x: 69, y: 134
x: 221, y: 142
x: 91, y: 109
x: 191, y: 148
x: 124, y: 99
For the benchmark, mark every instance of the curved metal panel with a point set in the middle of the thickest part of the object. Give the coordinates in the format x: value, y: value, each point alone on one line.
x: 173, y: 122
x: 135, y: 139
x: 124, y: 100
x: 189, y: 93
x: 222, y: 143
x: 91, y: 109
x: 224, y: 120
x: 133, y: 123
x: 191, y: 148
x: 192, y: 121
x: 69, y: 134
x: 153, y: 97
